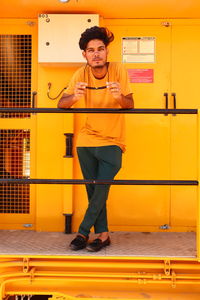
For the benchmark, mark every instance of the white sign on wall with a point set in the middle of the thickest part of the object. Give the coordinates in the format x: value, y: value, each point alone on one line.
x: 138, y: 49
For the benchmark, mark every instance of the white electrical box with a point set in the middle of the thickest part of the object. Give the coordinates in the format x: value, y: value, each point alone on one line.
x: 59, y: 35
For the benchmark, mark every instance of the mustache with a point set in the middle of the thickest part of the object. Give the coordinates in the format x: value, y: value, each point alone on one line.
x: 98, y: 67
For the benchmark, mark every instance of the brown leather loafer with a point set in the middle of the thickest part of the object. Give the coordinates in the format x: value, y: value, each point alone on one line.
x: 78, y: 243
x: 97, y: 245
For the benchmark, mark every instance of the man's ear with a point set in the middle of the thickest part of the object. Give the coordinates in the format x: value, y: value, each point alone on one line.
x: 83, y: 53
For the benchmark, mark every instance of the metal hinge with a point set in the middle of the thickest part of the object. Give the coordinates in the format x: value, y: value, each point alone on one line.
x: 165, y: 226
x: 27, y: 225
x: 142, y: 281
x: 32, y: 274
x: 25, y: 265
x: 167, y: 267
x: 166, y: 24
x: 173, y: 279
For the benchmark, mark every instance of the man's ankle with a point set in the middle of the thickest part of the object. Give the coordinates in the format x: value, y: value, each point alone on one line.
x: 103, y: 236
x: 85, y: 237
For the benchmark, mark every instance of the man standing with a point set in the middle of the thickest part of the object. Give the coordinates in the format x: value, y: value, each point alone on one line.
x: 102, y: 139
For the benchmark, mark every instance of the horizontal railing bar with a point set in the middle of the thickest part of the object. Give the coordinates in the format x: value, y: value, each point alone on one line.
x: 110, y: 182
x: 98, y: 110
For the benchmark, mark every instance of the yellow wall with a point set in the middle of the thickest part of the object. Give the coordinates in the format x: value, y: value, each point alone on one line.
x: 154, y: 9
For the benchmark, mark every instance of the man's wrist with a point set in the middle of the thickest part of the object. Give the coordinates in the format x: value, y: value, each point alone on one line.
x: 119, y: 98
x: 75, y: 98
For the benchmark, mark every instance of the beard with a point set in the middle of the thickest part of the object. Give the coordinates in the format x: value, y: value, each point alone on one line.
x: 99, y: 66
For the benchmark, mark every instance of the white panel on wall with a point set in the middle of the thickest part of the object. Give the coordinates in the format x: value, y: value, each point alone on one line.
x: 59, y: 35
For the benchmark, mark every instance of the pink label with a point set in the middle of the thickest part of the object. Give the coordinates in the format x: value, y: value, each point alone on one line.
x: 140, y: 75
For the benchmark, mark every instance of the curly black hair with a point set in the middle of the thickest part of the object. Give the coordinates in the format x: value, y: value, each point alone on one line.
x: 95, y: 32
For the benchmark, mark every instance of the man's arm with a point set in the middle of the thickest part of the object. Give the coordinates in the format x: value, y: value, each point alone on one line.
x: 124, y: 101
x: 66, y: 101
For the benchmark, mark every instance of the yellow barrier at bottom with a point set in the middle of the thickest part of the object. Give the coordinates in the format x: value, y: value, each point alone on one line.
x: 65, y: 297
x: 98, y: 277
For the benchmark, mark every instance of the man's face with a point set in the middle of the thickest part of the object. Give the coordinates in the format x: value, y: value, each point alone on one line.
x: 96, y: 54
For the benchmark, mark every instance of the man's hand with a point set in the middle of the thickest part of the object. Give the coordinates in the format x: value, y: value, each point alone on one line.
x: 124, y: 101
x: 79, y: 90
x: 66, y: 101
x: 115, y: 89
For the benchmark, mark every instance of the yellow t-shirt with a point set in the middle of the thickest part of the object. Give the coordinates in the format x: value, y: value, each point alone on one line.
x: 102, y: 129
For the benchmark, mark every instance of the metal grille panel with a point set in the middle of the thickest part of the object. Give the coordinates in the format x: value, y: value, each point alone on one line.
x: 14, y: 163
x: 15, y: 73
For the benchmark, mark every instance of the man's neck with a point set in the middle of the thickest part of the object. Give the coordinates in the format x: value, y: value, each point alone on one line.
x: 100, y: 72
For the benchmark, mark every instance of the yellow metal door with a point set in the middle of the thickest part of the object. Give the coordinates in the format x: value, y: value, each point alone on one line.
x: 185, y: 83
x: 148, y: 137
x: 17, y: 130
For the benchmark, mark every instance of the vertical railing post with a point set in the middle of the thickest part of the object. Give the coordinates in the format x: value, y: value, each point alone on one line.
x: 198, y: 189
x: 68, y: 162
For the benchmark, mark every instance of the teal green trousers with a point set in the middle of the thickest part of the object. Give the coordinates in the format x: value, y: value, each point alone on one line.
x: 98, y: 163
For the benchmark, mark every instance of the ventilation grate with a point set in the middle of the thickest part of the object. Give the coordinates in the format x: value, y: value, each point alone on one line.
x: 15, y: 73
x: 14, y: 163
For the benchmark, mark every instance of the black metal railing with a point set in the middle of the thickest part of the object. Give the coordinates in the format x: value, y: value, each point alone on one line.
x: 110, y: 182
x: 99, y: 110
x: 68, y: 217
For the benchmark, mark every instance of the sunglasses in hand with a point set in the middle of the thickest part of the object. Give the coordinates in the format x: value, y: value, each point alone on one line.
x: 96, y: 88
